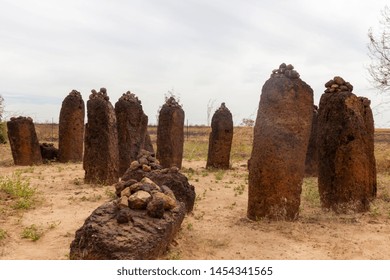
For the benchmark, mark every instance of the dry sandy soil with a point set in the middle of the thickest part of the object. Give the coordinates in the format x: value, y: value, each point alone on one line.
x: 217, y: 228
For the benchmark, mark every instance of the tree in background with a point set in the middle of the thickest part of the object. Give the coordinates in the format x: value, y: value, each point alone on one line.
x: 379, y: 52
x: 3, y: 130
x: 247, y: 122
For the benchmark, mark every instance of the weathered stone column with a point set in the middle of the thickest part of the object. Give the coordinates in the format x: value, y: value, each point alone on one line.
x: 24, y: 141
x: 346, y: 170
x: 311, y: 163
x: 170, y: 134
x: 101, y: 159
x: 281, y: 137
x: 220, y: 140
x: 132, y: 126
x: 71, y: 128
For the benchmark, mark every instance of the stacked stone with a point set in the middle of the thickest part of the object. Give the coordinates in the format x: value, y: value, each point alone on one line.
x: 71, y: 128
x: 24, y: 141
x: 132, y: 129
x: 170, y: 134
x: 101, y: 156
x: 338, y: 84
x: 148, y: 166
x: 145, y: 195
x: 281, y: 136
x: 145, y: 161
x: 285, y: 71
x: 346, y: 170
x: 311, y: 163
x: 220, y: 140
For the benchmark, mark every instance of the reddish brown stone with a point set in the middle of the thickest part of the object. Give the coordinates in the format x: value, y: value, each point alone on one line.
x: 346, y: 171
x: 71, y: 128
x: 220, y: 140
x: 311, y: 163
x: 170, y: 134
x: 281, y: 137
x: 24, y: 141
x: 132, y: 125
x: 101, y: 159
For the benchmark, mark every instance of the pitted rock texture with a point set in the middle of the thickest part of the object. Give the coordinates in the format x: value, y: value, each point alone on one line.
x: 48, y: 152
x: 281, y: 137
x: 132, y: 129
x: 171, y: 177
x: 347, y: 171
x: 71, y: 128
x: 101, y: 155
x: 311, y: 163
x: 24, y: 141
x: 113, y: 233
x: 170, y: 134
x: 220, y: 140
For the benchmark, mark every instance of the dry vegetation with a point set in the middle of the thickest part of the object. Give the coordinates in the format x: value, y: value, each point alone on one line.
x: 41, y: 207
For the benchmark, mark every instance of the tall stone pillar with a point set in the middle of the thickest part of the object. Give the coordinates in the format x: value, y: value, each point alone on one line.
x: 24, y: 141
x: 101, y: 159
x: 132, y: 127
x: 311, y: 163
x: 71, y: 128
x: 281, y: 137
x: 220, y: 140
x: 346, y: 170
x: 170, y: 134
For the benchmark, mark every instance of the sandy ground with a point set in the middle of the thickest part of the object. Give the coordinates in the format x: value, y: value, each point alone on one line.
x: 217, y: 228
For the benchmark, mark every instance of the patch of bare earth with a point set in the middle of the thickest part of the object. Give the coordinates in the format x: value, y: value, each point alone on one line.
x: 216, y: 229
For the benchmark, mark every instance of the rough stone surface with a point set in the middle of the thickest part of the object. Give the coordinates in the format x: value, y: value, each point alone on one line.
x: 24, y: 141
x: 103, y: 237
x: 132, y: 128
x: 220, y: 140
x: 71, y: 128
x: 101, y: 158
x: 311, y: 163
x: 346, y: 171
x: 170, y: 134
x: 281, y: 137
x: 48, y: 151
x: 139, y: 200
x: 169, y: 180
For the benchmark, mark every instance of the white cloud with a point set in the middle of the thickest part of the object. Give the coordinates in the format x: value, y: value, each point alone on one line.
x: 205, y: 50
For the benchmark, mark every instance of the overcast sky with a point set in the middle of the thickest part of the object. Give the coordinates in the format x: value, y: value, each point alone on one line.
x: 205, y: 50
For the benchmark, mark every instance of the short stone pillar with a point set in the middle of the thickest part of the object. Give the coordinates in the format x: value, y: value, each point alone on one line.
x: 220, y: 140
x: 281, y: 137
x: 346, y: 170
x: 132, y: 126
x: 101, y: 159
x: 170, y: 134
x: 24, y: 141
x: 311, y: 163
x: 71, y: 128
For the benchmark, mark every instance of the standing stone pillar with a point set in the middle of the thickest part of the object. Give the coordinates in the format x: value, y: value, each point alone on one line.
x: 346, y: 170
x: 369, y: 121
x: 170, y: 134
x: 71, y: 128
x: 24, y: 141
x: 281, y: 137
x: 220, y: 140
x: 132, y: 126
x: 101, y: 159
x: 311, y: 163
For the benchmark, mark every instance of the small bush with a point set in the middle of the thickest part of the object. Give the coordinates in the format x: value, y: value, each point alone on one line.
x: 3, y: 133
x: 3, y: 234
x: 32, y: 232
x: 18, y: 190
